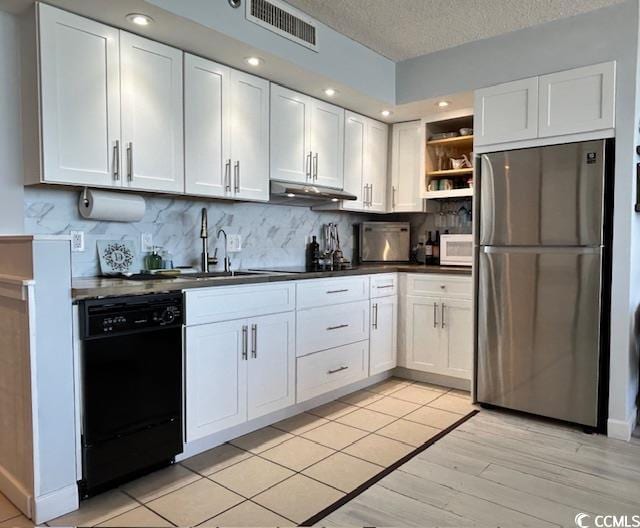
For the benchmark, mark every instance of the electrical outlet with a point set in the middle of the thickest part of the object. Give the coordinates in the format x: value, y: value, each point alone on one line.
x: 146, y: 242
x: 234, y: 243
x: 77, y: 241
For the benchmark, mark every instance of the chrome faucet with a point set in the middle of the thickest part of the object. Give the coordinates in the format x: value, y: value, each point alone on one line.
x: 205, y: 260
x: 227, y: 263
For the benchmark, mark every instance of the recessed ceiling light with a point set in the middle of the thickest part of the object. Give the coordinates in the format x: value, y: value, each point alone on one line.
x: 443, y: 104
x: 334, y: 199
x: 291, y: 195
x: 254, y: 61
x: 330, y: 92
x: 386, y: 113
x: 139, y: 19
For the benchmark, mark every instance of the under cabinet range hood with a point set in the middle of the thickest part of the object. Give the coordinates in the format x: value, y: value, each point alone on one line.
x: 305, y: 195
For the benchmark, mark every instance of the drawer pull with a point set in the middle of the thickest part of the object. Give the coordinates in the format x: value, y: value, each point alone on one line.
x: 339, y: 369
x: 337, y: 327
x: 338, y: 291
x: 387, y: 286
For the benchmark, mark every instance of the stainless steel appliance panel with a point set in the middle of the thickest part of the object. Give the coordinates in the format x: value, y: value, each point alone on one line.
x: 550, y: 196
x: 384, y: 242
x: 538, y: 330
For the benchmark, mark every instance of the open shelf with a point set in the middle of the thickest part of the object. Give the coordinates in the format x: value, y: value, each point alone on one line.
x: 451, y: 172
x: 451, y: 140
x: 453, y: 193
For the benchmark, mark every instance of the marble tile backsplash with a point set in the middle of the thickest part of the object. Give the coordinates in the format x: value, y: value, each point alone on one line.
x: 272, y: 235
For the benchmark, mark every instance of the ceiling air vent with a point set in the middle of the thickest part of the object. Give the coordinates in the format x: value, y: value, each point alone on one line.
x: 279, y: 17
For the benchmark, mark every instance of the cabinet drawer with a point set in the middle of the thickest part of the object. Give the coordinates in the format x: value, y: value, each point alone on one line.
x: 224, y: 303
x: 329, y: 327
x: 384, y: 285
x: 328, y: 370
x: 449, y: 285
x: 323, y: 292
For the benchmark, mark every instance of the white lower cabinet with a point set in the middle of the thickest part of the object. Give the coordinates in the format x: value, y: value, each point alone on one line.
x: 438, y: 326
x: 238, y: 370
x: 216, y: 374
x: 383, y: 339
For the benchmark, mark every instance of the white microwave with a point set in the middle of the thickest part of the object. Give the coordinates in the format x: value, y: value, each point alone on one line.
x: 456, y: 250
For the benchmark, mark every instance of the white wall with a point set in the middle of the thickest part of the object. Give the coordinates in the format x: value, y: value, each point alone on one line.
x: 606, y: 34
x: 11, y: 190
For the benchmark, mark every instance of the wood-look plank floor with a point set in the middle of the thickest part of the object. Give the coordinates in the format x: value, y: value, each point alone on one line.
x: 500, y: 469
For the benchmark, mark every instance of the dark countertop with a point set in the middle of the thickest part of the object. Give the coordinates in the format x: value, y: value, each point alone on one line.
x: 98, y: 287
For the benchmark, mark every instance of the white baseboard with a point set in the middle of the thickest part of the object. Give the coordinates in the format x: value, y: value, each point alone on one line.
x: 15, y: 492
x: 209, y: 442
x: 622, y: 429
x: 435, y: 379
x: 55, y: 504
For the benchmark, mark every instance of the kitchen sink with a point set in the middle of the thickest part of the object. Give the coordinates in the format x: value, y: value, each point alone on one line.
x: 217, y: 274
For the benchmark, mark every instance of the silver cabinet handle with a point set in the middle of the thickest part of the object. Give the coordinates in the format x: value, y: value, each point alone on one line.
x: 245, y: 341
x: 315, y: 167
x: 337, y: 327
x: 130, y: 161
x: 435, y: 315
x: 339, y: 369
x: 254, y: 340
x: 227, y: 176
x: 338, y: 291
x: 371, y: 195
x: 393, y: 197
x: 236, y: 176
x: 364, y: 195
x: 116, y: 161
x: 375, y: 316
x: 386, y: 286
x: 442, y: 308
x: 307, y: 165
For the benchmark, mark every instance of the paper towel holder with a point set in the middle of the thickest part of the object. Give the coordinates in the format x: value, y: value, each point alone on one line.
x: 85, y: 200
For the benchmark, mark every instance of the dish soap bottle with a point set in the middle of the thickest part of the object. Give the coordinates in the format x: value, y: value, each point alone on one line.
x: 153, y: 261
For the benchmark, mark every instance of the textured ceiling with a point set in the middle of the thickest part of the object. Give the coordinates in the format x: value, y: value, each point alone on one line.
x: 402, y: 29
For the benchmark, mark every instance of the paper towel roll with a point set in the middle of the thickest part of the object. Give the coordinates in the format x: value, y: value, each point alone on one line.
x: 111, y: 206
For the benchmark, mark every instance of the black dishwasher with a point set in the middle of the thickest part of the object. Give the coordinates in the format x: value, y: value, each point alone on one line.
x: 131, y: 387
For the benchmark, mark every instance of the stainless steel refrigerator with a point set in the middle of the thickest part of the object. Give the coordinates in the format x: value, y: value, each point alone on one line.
x: 542, y: 280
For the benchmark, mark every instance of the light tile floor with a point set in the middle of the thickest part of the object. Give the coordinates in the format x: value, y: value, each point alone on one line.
x: 282, y: 474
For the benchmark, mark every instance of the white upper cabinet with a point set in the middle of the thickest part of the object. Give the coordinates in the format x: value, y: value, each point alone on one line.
x: 307, y: 139
x: 327, y: 143
x: 80, y: 99
x: 376, y: 165
x: 152, y: 117
x: 249, y: 136
x: 408, y: 165
x: 354, y: 160
x: 578, y: 100
x: 290, y: 135
x: 506, y: 112
x: 365, y: 163
x: 206, y: 128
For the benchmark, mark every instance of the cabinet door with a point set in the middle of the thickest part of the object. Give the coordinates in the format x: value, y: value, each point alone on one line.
x: 507, y: 112
x: 376, y: 165
x: 354, y: 161
x: 290, y: 135
x: 250, y: 136
x: 578, y: 100
x: 327, y: 144
x: 80, y: 93
x: 272, y: 359
x: 206, y: 121
x: 206, y: 133
x: 216, y: 377
x: 457, y: 338
x: 408, y: 166
x: 152, y: 118
x: 383, y: 351
x: 422, y: 333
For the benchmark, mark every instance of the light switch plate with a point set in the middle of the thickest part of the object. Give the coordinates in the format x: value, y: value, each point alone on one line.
x: 234, y: 243
x: 146, y: 242
x: 77, y: 241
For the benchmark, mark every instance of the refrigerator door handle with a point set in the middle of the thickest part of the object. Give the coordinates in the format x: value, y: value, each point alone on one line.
x: 542, y: 250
